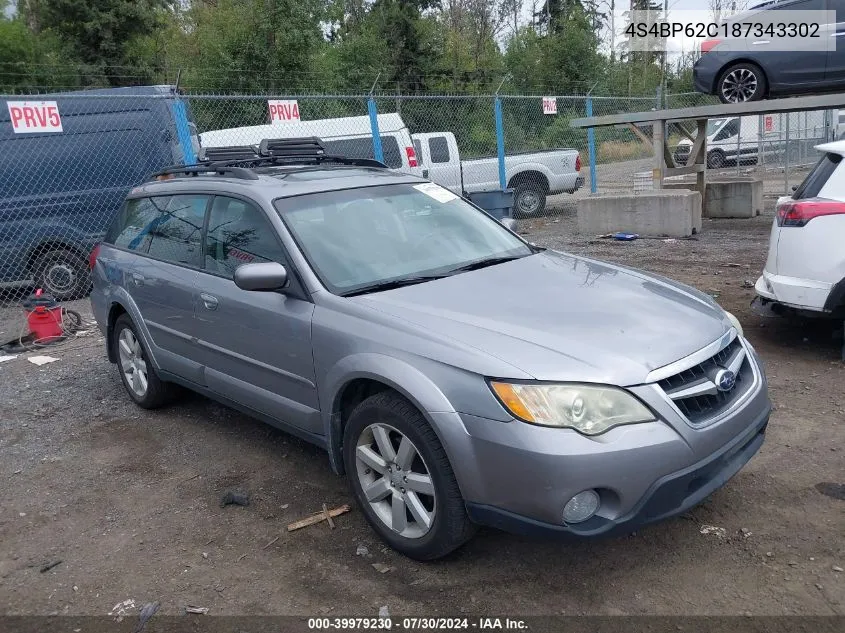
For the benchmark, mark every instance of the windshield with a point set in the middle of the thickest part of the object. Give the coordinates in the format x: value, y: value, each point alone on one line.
x: 360, y: 237
x: 713, y: 125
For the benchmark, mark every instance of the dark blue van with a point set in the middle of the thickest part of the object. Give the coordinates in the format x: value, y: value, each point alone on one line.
x: 65, y: 170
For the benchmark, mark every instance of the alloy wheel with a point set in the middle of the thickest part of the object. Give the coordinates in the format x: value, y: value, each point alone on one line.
x: 132, y: 362
x: 739, y: 85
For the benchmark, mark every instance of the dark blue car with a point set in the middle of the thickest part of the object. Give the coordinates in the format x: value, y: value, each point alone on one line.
x: 748, y: 70
x: 67, y: 162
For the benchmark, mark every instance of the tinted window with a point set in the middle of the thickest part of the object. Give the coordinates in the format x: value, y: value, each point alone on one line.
x: 176, y: 235
x: 363, y: 148
x: 731, y: 129
x: 816, y: 179
x: 238, y: 233
x: 439, y: 149
x: 130, y: 228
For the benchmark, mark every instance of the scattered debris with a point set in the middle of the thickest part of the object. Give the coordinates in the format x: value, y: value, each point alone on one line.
x: 837, y: 568
x: 197, y: 610
x: 205, y: 554
x: 836, y: 491
x: 381, y: 568
x: 745, y: 532
x: 285, y: 506
x: 731, y: 265
x: 6, y: 357
x: 747, y: 283
x: 234, y: 498
x: 50, y: 566
x: 819, y: 586
x: 270, y: 543
x: 769, y: 554
x: 671, y: 240
x: 147, y: 611
x: 329, y: 519
x: 322, y: 515
x: 712, y: 529
x: 122, y: 609
x: 41, y: 360
x: 240, y: 558
x: 362, y: 551
x: 383, y: 611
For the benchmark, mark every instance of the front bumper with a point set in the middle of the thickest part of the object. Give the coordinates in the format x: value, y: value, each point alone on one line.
x: 669, y: 496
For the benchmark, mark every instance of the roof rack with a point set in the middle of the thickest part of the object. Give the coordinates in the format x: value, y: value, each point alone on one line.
x: 232, y: 152
x: 305, y: 147
x: 204, y: 168
x: 307, y: 150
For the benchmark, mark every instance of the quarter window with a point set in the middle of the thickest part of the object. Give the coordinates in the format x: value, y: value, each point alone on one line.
x: 130, y: 229
x: 238, y: 233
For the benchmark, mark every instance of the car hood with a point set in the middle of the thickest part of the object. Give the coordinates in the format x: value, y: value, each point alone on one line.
x: 561, y: 317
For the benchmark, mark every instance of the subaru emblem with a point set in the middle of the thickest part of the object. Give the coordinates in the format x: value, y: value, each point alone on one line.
x: 725, y: 380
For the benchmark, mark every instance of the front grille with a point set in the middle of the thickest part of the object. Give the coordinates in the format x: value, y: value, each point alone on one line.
x: 695, y: 391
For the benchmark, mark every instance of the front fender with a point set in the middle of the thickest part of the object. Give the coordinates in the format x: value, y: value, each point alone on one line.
x: 393, y: 372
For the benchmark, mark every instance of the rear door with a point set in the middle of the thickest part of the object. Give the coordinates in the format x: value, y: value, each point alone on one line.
x: 166, y: 233
x: 255, y: 346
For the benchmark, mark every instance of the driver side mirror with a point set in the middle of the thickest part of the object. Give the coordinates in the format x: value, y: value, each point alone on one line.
x: 263, y: 276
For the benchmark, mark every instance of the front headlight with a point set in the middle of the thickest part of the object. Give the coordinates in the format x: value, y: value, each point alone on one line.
x: 585, y: 408
x: 735, y: 322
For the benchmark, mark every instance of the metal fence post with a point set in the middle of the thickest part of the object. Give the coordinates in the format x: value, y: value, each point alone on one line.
x: 378, y: 153
x: 500, y: 142
x: 591, y: 147
x: 183, y: 132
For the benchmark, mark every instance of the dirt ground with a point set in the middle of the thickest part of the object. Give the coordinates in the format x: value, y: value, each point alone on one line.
x: 129, y: 500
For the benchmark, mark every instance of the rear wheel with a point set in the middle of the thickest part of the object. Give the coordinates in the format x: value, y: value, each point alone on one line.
x: 136, y: 371
x: 529, y: 199
x: 716, y: 159
x: 402, y: 479
x: 62, y: 273
x: 740, y: 83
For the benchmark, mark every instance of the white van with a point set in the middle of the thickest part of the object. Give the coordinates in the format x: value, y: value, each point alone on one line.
x: 740, y: 139
x: 346, y: 136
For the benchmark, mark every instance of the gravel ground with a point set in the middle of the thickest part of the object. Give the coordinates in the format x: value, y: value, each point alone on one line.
x: 129, y: 500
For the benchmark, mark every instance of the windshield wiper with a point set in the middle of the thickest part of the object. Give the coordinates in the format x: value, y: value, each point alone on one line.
x: 484, y: 263
x: 393, y: 283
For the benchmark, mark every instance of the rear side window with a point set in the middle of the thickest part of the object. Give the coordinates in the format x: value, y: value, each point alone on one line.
x: 817, y: 177
x: 239, y: 233
x: 176, y: 234
x: 439, y: 148
x: 131, y: 226
x: 363, y: 148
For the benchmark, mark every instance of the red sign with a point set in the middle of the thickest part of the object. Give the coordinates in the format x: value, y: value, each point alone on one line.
x: 549, y: 105
x: 34, y: 116
x: 283, y: 111
x: 770, y: 124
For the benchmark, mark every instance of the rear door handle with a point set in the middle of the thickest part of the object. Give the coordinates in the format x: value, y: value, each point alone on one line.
x: 138, y: 279
x: 209, y: 301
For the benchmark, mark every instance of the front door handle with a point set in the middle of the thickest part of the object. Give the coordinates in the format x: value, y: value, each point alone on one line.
x: 209, y: 301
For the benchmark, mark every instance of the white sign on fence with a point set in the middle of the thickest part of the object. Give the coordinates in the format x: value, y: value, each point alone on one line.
x: 34, y: 116
x: 283, y: 111
x: 549, y: 105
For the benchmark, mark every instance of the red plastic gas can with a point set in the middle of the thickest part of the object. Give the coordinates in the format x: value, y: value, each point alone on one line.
x: 44, y: 316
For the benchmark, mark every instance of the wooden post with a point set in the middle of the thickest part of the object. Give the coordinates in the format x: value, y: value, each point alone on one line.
x: 659, y: 161
x: 701, y: 158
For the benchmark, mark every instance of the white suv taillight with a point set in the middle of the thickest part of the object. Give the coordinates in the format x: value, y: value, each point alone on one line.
x: 799, y: 212
x: 412, y: 156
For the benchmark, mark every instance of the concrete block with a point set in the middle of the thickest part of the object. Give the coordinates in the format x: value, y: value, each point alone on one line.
x: 727, y: 197
x: 671, y: 213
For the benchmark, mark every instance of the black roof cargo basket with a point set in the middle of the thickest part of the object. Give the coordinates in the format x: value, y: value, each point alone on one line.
x: 306, y: 147
x: 233, y: 152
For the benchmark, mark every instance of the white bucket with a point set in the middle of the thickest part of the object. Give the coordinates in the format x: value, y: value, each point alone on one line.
x: 643, y: 181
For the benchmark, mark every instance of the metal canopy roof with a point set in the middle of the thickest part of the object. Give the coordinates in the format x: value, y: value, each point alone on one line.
x: 793, y: 104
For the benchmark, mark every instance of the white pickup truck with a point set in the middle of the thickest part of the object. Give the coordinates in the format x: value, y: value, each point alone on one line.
x: 532, y: 175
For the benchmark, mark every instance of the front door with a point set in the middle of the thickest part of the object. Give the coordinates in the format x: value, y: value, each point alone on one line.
x: 255, y: 346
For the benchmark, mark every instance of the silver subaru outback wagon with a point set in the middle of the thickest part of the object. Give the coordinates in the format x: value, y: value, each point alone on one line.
x: 456, y: 374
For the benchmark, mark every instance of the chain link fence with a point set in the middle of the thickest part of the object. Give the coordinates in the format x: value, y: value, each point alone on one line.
x: 67, y: 160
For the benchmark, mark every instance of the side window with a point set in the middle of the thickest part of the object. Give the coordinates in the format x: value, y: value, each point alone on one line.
x: 131, y: 226
x: 439, y: 148
x: 363, y: 148
x: 731, y: 129
x: 238, y: 233
x: 176, y: 235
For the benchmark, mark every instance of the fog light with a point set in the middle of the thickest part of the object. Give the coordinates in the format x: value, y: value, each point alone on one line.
x: 581, y: 507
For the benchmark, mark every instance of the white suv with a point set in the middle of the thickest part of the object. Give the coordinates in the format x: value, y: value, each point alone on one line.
x: 805, y: 270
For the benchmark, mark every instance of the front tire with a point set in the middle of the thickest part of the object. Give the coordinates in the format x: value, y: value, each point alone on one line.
x: 137, y: 373
x: 716, y: 159
x: 740, y: 83
x: 402, y: 479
